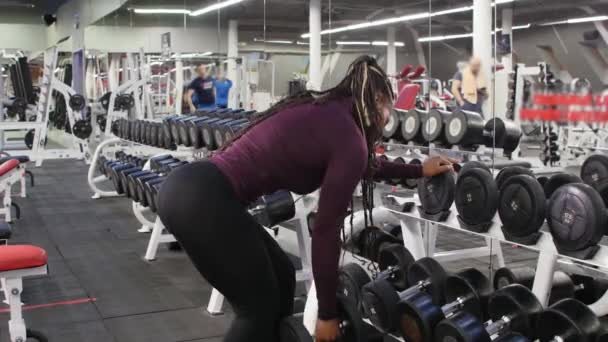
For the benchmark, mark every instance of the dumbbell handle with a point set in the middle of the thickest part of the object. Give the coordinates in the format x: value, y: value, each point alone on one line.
x: 456, y: 305
x: 498, y: 325
x: 418, y: 287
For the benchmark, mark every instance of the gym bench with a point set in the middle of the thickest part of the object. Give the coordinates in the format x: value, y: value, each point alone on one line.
x: 11, y: 172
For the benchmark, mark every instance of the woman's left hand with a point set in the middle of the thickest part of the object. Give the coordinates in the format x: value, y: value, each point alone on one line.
x: 437, y: 165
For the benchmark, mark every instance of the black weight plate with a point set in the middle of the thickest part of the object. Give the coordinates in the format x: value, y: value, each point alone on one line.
x: 558, y: 180
x: 595, y: 169
x: 592, y: 288
x: 291, y: 329
x: 542, y: 180
x: 411, y: 125
x: 351, y: 278
x: 521, y: 206
x: 371, y: 239
x: 417, y: 317
x: 380, y: 304
x: 412, y: 183
x: 392, y: 127
x: 568, y: 320
x: 576, y: 217
x: 474, y: 164
x: 432, y: 127
x: 428, y: 269
x: 472, y: 288
x: 519, y: 304
x: 464, y: 128
x: 351, y: 323
x: 520, y: 275
x: 509, y: 172
x: 395, y: 254
x: 436, y: 193
x: 461, y: 327
x: 476, y: 196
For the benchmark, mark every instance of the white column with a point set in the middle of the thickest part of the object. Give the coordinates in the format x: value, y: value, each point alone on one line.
x: 482, y: 45
x: 314, y: 68
x: 507, y: 25
x: 78, y: 59
x: 231, y: 72
x: 391, y: 54
x: 179, y: 85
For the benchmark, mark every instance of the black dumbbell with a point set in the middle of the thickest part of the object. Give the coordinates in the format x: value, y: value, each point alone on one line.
x: 141, y: 187
x: 231, y: 130
x: 183, y: 130
x: 175, y: 128
x: 115, y: 176
x: 194, y: 130
x: 383, y: 303
x: 156, y: 159
x: 595, y: 169
x: 476, y: 196
x: 219, y: 131
x: 158, y: 165
x: 167, y: 168
x: 209, y: 133
x: 132, y: 178
x: 568, y: 320
x: 467, y: 291
x: 513, y: 309
x: 433, y: 126
x: 123, y: 174
x: 151, y: 192
x: 370, y: 240
x: 136, y: 183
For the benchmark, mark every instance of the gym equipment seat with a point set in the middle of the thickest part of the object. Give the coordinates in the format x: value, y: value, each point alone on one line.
x: 17, y: 262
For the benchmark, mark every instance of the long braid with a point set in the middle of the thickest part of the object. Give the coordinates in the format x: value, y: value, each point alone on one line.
x: 364, y: 80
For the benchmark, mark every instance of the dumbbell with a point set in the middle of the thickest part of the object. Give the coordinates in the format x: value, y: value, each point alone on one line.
x: 231, y: 130
x: 194, y: 130
x: 370, y: 241
x: 436, y: 195
x: 156, y: 134
x: 467, y: 128
x: 166, y: 125
x: 123, y: 174
x: 419, y: 313
x: 383, y: 303
x: 208, y: 132
x: 175, y: 128
x: 219, y: 131
x: 411, y: 125
x: 131, y: 182
x: 595, y: 169
x: 513, y: 311
x: 114, y: 170
x: 584, y: 288
x: 183, y: 130
x: 168, y: 167
x: 433, y: 126
x: 151, y: 191
x: 158, y: 165
x: 274, y: 208
x: 568, y: 320
x: 476, y: 196
x: 135, y: 181
x: 142, y: 184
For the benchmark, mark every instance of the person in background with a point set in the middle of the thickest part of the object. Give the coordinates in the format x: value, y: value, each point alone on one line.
x: 469, y: 86
x: 222, y: 89
x: 203, y: 90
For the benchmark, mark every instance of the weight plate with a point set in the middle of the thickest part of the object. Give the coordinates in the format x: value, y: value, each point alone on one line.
x: 417, y: 317
x: 391, y: 129
x: 411, y: 125
x: 428, y: 269
x: 509, y: 172
x: 380, y: 304
x: 568, y: 321
x: 351, y: 278
x: 521, y: 206
x: 476, y: 196
x: 472, y: 288
x: 595, y: 169
x: 506, y: 134
x: 592, y: 288
x: 432, y: 127
x: 351, y: 323
x: 436, y: 193
x: 576, y: 217
x: 371, y: 239
x: 77, y: 102
x: 474, y: 164
x: 395, y: 254
x: 520, y: 275
x: 464, y: 128
x: 292, y: 329
x: 461, y: 327
x: 557, y: 181
x: 519, y: 304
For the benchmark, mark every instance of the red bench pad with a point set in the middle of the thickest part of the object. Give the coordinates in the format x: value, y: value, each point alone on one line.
x: 8, y: 166
x: 17, y: 257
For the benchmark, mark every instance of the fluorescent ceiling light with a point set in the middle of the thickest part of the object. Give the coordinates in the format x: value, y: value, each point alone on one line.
x: 353, y: 43
x: 273, y: 41
x: 464, y: 35
x: 214, y: 7
x: 160, y: 11
x: 192, y: 55
x: 401, y: 19
x: 577, y: 20
x: 383, y: 43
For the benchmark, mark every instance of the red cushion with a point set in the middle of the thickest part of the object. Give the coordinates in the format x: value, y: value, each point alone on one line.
x: 8, y: 165
x: 17, y: 257
x: 406, y: 99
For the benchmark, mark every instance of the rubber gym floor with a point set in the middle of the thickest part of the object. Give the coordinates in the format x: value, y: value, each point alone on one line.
x: 99, y: 287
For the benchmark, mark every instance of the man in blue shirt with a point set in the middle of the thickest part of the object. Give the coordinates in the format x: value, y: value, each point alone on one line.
x: 201, y: 91
x: 222, y: 89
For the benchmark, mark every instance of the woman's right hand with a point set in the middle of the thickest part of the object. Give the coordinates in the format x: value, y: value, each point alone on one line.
x: 327, y: 331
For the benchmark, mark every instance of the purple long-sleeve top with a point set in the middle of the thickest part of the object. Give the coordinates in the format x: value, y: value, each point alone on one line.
x: 301, y: 149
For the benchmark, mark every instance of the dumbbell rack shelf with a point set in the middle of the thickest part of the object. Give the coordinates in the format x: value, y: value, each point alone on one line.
x: 548, y: 253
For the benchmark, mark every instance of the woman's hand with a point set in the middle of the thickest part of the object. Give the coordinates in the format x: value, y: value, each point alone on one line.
x: 327, y: 331
x: 437, y: 165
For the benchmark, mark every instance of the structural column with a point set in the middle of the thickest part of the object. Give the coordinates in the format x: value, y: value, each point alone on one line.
x: 391, y: 54
x: 507, y: 29
x: 78, y: 57
x: 231, y: 72
x: 482, y: 44
x: 314, y: 68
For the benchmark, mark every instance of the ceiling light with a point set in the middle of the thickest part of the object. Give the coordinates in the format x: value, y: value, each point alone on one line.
x: 160, y: 11
x: 383, y: 43
x: 454, y: 10
x: 215, y: 7
x: 465, y: 35
x: 584, y: 20
x: 352, y: 43
x: 273, y: 41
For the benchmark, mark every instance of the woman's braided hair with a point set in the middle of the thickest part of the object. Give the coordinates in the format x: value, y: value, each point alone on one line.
x: 365, y: 82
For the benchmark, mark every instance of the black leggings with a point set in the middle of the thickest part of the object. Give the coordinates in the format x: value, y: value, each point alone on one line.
x: 230, y: 249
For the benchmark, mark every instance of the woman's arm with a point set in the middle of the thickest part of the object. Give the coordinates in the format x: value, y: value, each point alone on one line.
x: 384, y: 169
x: 341, y: 177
